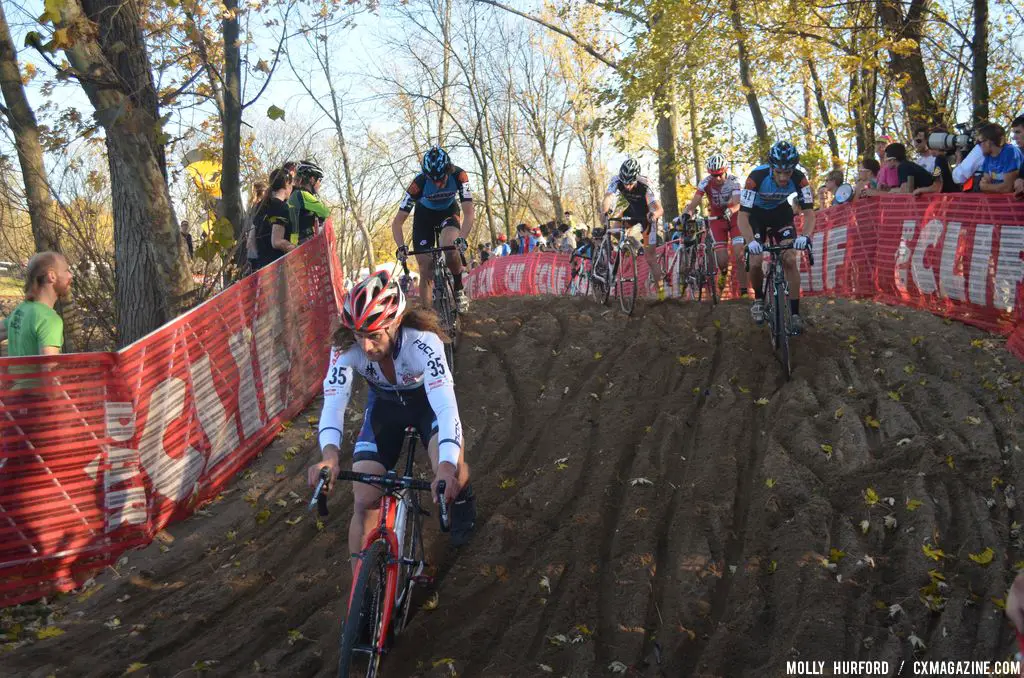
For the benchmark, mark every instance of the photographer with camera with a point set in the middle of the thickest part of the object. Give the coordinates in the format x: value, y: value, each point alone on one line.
x: 936, y: 161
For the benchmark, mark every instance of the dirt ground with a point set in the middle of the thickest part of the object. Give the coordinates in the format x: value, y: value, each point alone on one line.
x: 651, y: 492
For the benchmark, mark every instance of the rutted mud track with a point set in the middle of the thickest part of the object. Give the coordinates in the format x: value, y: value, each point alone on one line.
x: 719, y: 566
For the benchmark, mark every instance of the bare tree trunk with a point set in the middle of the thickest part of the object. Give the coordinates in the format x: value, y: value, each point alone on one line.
x: 748, y: 86
x: 152, y: 275
x: 694, y: 136
x: 446, y: 35
x: 667, y: 175
x: 230, y: 180
x: 826, y: 119
x: 918, y: 102
x: 22, y: 120
x: 979, y: 74
x: 371, y: 260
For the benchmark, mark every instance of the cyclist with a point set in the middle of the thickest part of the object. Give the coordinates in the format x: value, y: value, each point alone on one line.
x: 767, y: 217
x: 723, y: 192
x: 642, y: 204
x: 436, y: 193
x: 400, y: 353
x: 305, y: 210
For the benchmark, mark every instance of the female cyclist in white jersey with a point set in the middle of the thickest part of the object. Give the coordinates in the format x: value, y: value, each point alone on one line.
x: 400, y: 353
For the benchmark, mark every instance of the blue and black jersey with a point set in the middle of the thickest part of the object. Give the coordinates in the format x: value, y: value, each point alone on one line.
x: 425, y: 192
x: 761, y: 191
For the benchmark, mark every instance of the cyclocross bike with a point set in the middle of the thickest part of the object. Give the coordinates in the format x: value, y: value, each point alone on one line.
x: 390, y: 565
x: 444, y: 296
x: 776, y: 302
x: 698, y: 268
x: 615, y: 266
x: 579, y: 270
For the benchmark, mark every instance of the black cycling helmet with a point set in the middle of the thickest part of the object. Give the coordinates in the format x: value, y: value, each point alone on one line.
x: 783, y: 155
x: 629, y: 171
x: 308, y: 168
x: 436, y: 163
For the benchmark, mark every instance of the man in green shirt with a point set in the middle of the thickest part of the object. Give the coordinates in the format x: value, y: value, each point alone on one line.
x: 304, y: 207
x: 34, y: 328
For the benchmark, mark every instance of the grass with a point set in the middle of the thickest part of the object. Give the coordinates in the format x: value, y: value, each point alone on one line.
x: 10, y: 287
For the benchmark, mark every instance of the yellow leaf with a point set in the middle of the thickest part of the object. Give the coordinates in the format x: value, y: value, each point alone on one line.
x: 597, y: 356
x: 431, y: 603
x: 718, y: 324
x: 770, y: 482
x: 909, y: 369
x: 1018, y: 566
x: 262, y: 516
x: 894, y: 395
x: 871, y: 421
x: 312, y: 421
x: 308, y: 435
x: 949, y: 461
x: 826, y: 448
x: 743, y: 389
x: 923, y: 381
x: 687, y: 360
x: 61, y: 38
x: 133, y: 667
x: 279, y: 469
x: 1000, y: 602
x: 983, y: 558
x: 49, y: 632
x: 996, y: 482
x: 870, y: 497
x: 973, y: 421
x: 506, y: 483
x: 294, y: 521
x: 977, y: 343
x: 838, y: 414
x: 772, y: 566
x: 933, y: 553
x: 914, y: 341
x: 319, y: 526
x: 835, y: 555
x: 913, y: 504
x: 761, y: 401
x: 290, y: 453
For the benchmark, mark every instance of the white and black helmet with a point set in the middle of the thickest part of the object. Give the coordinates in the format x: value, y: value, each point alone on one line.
x: 629, y: 171
x: 716, y: 164
x: 308, y: 168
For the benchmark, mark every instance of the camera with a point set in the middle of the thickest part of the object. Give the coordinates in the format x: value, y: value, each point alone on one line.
x: 950, y: 143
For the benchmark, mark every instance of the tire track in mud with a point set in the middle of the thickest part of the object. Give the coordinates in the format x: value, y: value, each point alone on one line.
x: 639, y: 568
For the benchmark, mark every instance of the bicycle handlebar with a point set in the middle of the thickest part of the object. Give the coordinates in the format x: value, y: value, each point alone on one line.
x: 775, y: 249
x: 394, y: 482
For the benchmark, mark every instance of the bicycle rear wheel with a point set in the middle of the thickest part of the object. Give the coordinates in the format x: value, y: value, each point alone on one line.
x: 627, y: 281
x: 366, y: 610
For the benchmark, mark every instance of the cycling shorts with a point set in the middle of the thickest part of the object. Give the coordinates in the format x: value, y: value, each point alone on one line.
x: 725, y: 231
x: 772, y: 226
x: 426, y: 223
x: 383, y: 432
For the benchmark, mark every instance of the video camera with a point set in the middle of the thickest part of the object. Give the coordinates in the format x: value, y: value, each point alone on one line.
x: 950, y: 143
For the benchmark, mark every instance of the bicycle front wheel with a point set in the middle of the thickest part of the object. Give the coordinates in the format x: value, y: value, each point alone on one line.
x: 782, y: 327
x: 711, y: 273
x: 604, y: 268
x: 627, y: 281
x: 444, y: 304
x: 363, y: 629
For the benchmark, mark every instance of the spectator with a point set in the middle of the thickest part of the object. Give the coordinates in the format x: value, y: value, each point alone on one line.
x: 290, y: 167
x: 274, y: 228
x: 1001, y: 165
x: 942, y: 175
x: 307, y: 211
x: 34, y: 328
x: 503, y: 249
x: 925, y: 158
x: 186, y: 235
x: 259, y: 189
x: 827, y: 192
x: 910, y: 174
x: 538, y: 236
x: 525, y: 241
x: 867, y: 177
x: 1017, y: 127
x: 888, y: 178
x: 566, y: 241
x: 485, y: 251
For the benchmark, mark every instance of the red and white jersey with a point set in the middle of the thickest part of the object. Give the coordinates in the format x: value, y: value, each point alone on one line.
x: 719, y: 196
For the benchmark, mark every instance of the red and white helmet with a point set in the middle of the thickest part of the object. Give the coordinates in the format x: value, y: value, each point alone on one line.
x: 372, y: 304
x: 716, y: 164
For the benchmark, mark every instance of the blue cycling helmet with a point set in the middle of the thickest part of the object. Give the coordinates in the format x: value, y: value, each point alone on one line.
x: 783, y: 155
x: 436, y: 163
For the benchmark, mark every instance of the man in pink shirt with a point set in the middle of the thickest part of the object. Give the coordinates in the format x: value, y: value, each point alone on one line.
x: 888, y: 177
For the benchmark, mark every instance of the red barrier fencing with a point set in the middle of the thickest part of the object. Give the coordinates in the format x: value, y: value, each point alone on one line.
x: 959, y: 256
x: 105, y: 449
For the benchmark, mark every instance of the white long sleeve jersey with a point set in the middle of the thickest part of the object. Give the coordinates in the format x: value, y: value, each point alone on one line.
x: 419, y: 363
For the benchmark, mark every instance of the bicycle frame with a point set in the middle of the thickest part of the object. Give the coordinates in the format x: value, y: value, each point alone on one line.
x: 775, y: 297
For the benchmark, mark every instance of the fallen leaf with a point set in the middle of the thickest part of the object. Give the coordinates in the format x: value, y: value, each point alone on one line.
x: 282, y: 503
x: 480, y: 349
x: 870, y: 497
x: 507, y: 483
x: 902, y: 441
x: 914, y: 341
x: 545, y: 584
x: 295, y: 636
x: 431, y: 603
x: 598, y: 356
x: 949, y: 461
x: 894, y: 395
x: 687, y: 360
x: 279, y: 469
x: 558, y: 639
x: 290, y: 453
x: 916, y: 642
x: 890, y: 522
x: 294, y: 521
x: 895, y: 610
x: 744, y: 389
x: 640, y: 481
x: 617, y: 667
x: 872, y: 422
x: 112, y: 623
x: 308, y: 435
x: 973, y: 421
x: 934, y: 553
x: 718, y: 324
x: 262, y: 516
x: 984, y: 558
x: 835, y: 555
x: 133, y: 667
x: 838, y: 414
x: 827, y: 449
x: 319, y: 526
x: 913, y: 504
x: 772, y: 566
x: 865, y: 525
x: 909, y: 369
x: 544, y: 667
x: 49, y: 632
x: 761, y: 401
